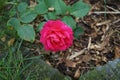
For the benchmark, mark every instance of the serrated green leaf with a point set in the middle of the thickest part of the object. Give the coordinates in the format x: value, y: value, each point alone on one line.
x: 14, y: 22
x: 40, y: 26
x: 41, y: 8
x: 27, y: 33
x: 50, y: 15
x: 28, y: 16
x: 49, y: 3
x: 69, y: 21
x: 22, y: 6
x: 60, y: 7
x: 79, y: 9
x: 78, y: 31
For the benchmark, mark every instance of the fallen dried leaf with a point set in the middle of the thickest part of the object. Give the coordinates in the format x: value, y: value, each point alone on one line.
x: 32, y: 4
x: 3, y: 39
x: 96, y: 47
x: 86, y: 58
x: 11, y: 41
x: 48, y: 63
x: 117, y: 52
x: 70, y: 63
x: 77, y: 73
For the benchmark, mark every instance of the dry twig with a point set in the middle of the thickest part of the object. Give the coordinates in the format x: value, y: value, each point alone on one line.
x: 105, y: 12
x: 77, y: 54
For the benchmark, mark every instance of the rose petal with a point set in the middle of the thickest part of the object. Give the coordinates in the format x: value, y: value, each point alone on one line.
x: 56, y: 36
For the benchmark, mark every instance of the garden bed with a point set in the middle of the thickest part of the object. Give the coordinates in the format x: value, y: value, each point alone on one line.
x: 99, y: 44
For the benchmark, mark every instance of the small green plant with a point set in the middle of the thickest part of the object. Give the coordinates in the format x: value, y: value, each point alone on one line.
x: 49, y: 9
x: 12, y: 65
x: 2, y: 3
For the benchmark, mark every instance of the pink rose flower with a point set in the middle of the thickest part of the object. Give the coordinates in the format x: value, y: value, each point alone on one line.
x: 56, y: 36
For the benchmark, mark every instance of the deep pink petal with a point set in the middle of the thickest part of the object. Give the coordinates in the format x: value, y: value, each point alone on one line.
x: 56, y: 36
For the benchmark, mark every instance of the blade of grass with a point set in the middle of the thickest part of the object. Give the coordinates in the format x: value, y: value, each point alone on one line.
x: 105, y: 9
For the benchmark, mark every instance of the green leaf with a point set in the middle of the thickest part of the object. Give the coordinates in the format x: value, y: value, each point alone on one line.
x: 14, y: 22
x: 27, y: 33
x: 50, y: 15
x: 28, y: 16
x: 39, y: 1
x: 49, y: 3
x: 79, y: 9
x: 40, y: 26
x: 69, y: 21
x: 22, y: 6
x: 41, y: 8
x: 60, y: 7
x: 12, y: 11
x: 78, y: 31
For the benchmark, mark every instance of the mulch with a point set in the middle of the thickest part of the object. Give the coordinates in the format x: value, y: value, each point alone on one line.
x: 99, y: 44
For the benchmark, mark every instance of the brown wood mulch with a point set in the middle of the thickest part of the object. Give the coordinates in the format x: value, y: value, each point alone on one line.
x: 99, y: 44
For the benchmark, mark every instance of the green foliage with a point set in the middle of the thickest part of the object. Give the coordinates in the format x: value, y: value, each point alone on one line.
x: 22, y: 14
x: 15, y: 66
x: 79, y: 9
x: 49, y: 3
x: 40, y: 26
x: 60, y: 7
x: 69, y: 21
x: 14, y: 22
x: 4, y: 16
x: 22, y: 6
x: 110, y: 71
x: 2, y: 3
x: 41, y: 8
x: 50, y: 15
x: 26, y: 32
x: 28, y: 16
x: 12, y: 12
x: 78, y: 31
x: 12, y: 64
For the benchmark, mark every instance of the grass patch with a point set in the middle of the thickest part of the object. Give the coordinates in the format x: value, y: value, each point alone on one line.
x: 13, y: 64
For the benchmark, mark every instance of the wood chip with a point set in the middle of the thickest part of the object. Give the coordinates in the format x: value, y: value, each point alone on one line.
x: 88, y: 47
x: 117, y: 52
x: 51, y: 9
x: 48, y: 63
x: 77, y: 54
x: 103, y: 23
x: 86, y: 58
x: 70, y: 63
x: 77, y: 73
